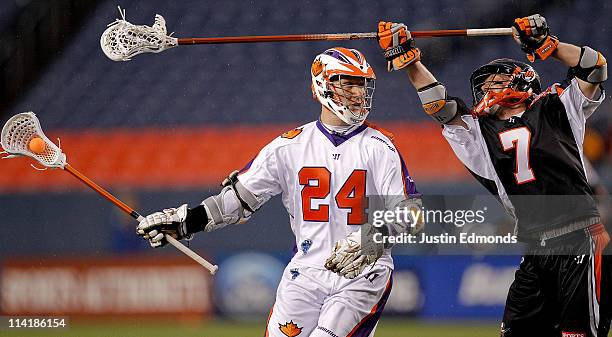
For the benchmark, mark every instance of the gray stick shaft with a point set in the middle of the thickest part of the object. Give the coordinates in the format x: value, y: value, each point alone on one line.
x: 489, y: 31
x: 209, y: 266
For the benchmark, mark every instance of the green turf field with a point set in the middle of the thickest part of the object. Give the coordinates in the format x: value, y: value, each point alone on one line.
x: 386, y: 328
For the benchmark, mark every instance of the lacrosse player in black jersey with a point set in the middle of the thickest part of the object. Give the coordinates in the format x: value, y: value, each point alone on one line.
x: 525, y: 145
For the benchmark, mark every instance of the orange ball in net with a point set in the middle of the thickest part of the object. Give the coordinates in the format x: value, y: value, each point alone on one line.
x: 37, y: 145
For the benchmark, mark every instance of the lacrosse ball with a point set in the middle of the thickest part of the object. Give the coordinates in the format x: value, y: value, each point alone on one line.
x: 37, y: 145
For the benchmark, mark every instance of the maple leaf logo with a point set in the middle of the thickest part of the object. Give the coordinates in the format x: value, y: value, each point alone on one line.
x: 317, y: 67
x: 291, y: 134
x: 290, y: 329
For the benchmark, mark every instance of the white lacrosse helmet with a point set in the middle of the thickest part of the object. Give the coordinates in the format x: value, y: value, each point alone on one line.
x: 350, y: 102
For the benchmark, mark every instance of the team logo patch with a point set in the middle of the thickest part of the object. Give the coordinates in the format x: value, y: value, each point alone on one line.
x: 529, y: 75
x: 305, y: 246
x: 292, y: 134
x: 294, y: 273
x: 572, y: 334
x: 290, y: 329
x: 317, y: 67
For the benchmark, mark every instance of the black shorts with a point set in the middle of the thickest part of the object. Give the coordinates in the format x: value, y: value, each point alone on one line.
x: 562, y: 289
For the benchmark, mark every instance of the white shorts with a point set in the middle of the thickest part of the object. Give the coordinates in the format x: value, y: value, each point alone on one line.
x: 318, y: 303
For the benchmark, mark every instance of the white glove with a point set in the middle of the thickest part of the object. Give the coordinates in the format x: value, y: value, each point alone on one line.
x: 415, y: 206
x: 169, y: 221
x: 349, y: 257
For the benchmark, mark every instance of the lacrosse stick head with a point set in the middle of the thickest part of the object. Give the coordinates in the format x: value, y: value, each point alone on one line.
x: 123, y: 40
x: 16, y: 135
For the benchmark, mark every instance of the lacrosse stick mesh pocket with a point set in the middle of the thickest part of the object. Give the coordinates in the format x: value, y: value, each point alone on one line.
x: 17, y: 134
x: 123, y: 40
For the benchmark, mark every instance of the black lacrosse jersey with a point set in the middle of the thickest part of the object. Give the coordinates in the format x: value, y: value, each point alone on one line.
x: 533, y: 161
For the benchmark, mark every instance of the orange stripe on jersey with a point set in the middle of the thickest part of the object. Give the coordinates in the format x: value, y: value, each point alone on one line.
x: 385, y: 132
x: 559, y: 90
x: 267, y: 333
x: 601, y: 238
x: 374, y: 310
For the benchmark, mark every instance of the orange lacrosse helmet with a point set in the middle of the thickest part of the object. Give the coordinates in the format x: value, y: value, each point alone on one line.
x: 350, y: 102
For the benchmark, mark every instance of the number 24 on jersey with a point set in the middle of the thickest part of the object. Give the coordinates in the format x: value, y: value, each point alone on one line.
x: 316, y: 182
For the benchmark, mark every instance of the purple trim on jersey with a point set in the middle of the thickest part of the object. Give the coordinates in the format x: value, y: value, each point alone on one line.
x: 338, y: 139
x: 246, y: 167
x: 367, y: 324
x: 294, y: 250
x: 409, y: 185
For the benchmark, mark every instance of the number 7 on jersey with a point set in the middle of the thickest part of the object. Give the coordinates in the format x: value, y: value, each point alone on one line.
x: 520, y: 140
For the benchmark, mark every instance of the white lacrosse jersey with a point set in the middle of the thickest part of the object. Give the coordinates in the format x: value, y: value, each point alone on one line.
x: 323, y: 177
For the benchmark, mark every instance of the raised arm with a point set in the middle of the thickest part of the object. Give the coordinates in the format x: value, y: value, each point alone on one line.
x: 401, y: 53
x: 587, y: 65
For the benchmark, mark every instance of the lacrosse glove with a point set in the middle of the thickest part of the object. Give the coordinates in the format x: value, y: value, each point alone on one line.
x: 533, y: 34
x: 399, y: 47
x: 177, y: 222
x: 350, y: 257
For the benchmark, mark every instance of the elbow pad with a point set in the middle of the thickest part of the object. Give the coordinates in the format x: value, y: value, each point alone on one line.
x: 435, y: 103
x: 233, y: 205
x: 592, y: 67
x: 248, y: 200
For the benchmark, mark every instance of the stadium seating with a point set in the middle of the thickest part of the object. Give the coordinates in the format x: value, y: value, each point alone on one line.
x: 8, y: 11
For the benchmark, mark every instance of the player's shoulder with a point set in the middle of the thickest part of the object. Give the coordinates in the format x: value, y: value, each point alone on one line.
x: 380, y: 138
x: 296, y: 135
x: 554, y: 92
x: 298, y: 132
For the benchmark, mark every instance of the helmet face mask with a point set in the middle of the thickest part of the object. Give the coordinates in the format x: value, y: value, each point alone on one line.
x: 353, y: 94
x: 344, y: 83
x: 502, y: 83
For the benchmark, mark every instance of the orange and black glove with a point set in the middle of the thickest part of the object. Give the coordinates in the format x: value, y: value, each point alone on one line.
x: 399, y: 46
x: 533, y: 34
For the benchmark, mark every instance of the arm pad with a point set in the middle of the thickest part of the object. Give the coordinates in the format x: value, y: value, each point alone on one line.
x: 435, y: 103
x: 592, y: 67
x: 233, y: 205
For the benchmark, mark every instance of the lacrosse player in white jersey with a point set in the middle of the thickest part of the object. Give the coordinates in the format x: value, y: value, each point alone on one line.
x: 334, y: 284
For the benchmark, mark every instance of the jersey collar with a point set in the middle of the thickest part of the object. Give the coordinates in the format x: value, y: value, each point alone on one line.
x: 338, y: 139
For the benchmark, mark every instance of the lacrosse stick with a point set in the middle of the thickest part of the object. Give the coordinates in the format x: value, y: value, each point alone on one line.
x: 123, y: 40
x: 17, y: 139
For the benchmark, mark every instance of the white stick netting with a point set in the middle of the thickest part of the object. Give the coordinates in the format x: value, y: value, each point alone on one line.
x: 15, y: 139
x: 123, y: 40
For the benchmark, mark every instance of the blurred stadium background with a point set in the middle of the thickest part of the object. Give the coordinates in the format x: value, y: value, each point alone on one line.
x: 165, y: 129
